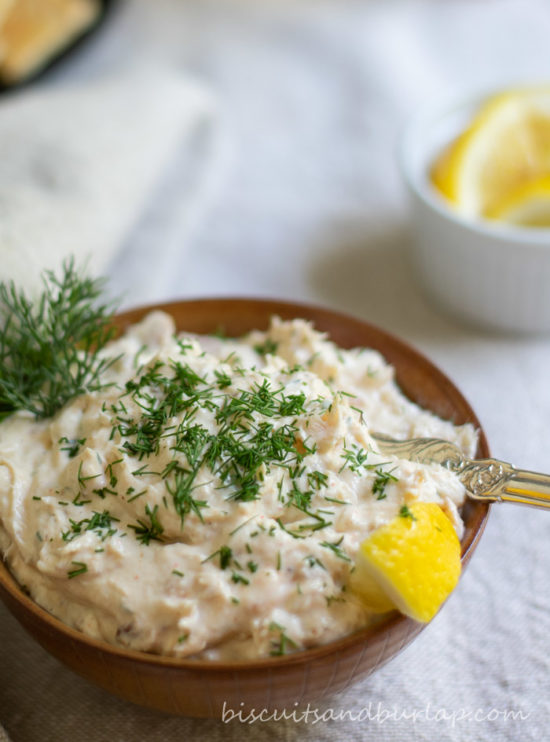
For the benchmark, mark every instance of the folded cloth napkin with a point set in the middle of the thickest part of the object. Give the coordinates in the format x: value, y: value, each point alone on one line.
x: 79, y: 164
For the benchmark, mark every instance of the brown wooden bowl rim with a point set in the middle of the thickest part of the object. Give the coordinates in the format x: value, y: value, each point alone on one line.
x: 394, y: 619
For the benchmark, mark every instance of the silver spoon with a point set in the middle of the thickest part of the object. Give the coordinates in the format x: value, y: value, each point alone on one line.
x: 485, y: 479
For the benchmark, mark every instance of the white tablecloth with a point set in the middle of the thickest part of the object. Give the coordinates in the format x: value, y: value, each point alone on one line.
x: 313, y: 94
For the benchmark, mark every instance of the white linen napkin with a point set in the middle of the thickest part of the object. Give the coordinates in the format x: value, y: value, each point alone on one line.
x: 80, y: 162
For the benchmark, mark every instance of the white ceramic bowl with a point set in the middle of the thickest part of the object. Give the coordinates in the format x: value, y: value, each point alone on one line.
x: 488, y: 274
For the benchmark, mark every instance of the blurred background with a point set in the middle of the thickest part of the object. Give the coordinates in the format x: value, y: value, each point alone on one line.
x: 249, y: 146
x: 190, y: 148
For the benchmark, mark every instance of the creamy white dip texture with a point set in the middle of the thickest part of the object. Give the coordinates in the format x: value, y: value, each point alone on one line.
x: 210, y: 500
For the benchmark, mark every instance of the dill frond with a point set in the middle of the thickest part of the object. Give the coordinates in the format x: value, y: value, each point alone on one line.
x: 49, y: 347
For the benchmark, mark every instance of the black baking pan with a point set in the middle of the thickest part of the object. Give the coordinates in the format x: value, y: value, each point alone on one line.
x: 65, y: 54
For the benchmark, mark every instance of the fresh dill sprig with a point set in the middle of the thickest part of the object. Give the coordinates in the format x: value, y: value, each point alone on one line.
x: 49, y: 346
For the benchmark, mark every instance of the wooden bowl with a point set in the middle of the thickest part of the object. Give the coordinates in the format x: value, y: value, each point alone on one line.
x: 205, y: 689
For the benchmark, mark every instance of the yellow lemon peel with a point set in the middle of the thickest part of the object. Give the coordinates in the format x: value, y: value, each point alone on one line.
x: 412, y: 563
x: 506, y: 146
x: 526, y: 206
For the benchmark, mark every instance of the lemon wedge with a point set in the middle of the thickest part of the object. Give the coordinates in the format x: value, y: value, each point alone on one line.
x: 412, y: 563
x: 506, y: 146
x: 526, y: 206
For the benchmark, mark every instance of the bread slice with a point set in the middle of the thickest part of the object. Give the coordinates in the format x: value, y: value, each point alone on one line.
x: 33, y: 31
x: 5, y: 5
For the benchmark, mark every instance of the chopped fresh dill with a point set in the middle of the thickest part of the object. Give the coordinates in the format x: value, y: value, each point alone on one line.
x: 279, y: 646
x: 104, y: 491
x: 113, y: 480
x: 142, y: 471
x: 180, y: 487
x: 82, y: 479
x: 287, y: 530
x: 360, y: 412
x: 317, y: 479
x: 382, y: 479
x: 335, y: 501
x: 405, y: 512
x: 79, y: 501
x: 293, y: 369
x: 300, y: 499
x: 80, y: 569
x: 237, y: 578
x: 313, y: 561
x: 225, y: 553
x: 72, y: 446
x: 355, y: 458
x: 223, y: 380
x: 335, y: 548
x: 99, y: 523
x: 292, y: 405
x: 268, y: 347
x: 148, y: 531
x: 138, y: 354
x: 241, y: 525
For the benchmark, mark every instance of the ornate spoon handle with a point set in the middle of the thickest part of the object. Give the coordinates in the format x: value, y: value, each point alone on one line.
x: 489, y: 479
x: 485, y: 479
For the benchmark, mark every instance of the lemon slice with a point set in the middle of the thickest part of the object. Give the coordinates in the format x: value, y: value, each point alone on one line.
x: 412, y: 563
x: 506, y: 146
x: 527, y: 206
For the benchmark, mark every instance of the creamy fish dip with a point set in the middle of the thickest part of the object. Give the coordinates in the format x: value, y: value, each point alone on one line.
x: 209, y: 501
